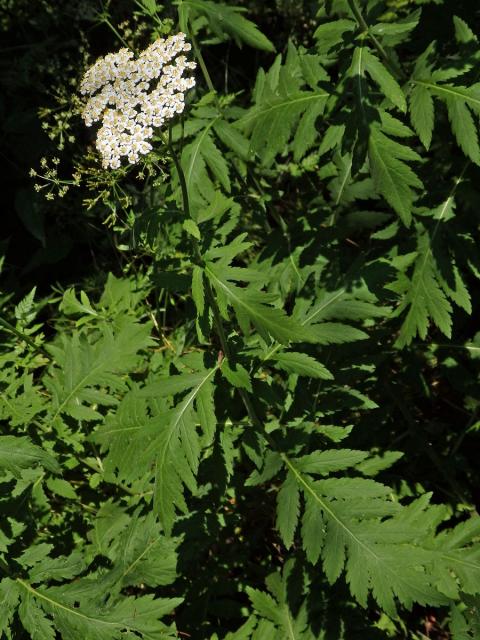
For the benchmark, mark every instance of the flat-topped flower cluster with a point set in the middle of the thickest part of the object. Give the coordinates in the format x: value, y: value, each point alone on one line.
x: 132, y: 96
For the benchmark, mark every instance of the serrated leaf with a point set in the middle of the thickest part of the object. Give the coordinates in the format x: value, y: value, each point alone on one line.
x: 34, y: 620
x: 19, y: 452
x: 464, y: 129
x: 391, y: 174
x: 198, y: 293
x: 237, y: 375
x: 362, y: 543
x: 224, y: 19
x: 422, y: 114
x: 177, y: 451
x: 191, y: 228
x: 324, y: 462
x: 387, y: 83
x: 302, y: 364
x: 288, y: 507
x: 129, y: 615
x: 9, y: 598
x: 203, y: 164
x: 425, y: 299
x: 460, y: 101
x: 331, y: 33
x: 264, y: 604
x: 254, y: 306
x: 283, y: 109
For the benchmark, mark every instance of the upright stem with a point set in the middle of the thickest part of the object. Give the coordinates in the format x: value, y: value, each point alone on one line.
x: 378, y: 46
x: 217, y: 318
x: 201, y: 62
x: 22, y: 336
x: 181, y: 175
x: 222, y: 337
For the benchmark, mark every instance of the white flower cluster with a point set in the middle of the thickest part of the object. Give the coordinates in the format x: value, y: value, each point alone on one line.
x: 131, y: 96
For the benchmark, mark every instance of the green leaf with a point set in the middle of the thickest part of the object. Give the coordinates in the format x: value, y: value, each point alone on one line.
x: 331, y: 33
x: 142, y: 555
x: 357, y: 535
x: 198, y: 292
x: 204, y: 165
x: 464, y: 128
x: 456, y: 563
x: 9, y: 598
x: 283, y: 109
x: 422, y: 114
x: 255, y: 307
x: 387, y: 83
x: 227, y: 20
x: 18, y: 452
x: 425, y: 298
x: 238, y: 376
x: 177, y: 450
x: 303, y: 364
x: 81, y: 368
x: 324, y: 462
x: 191, y: 228
x: 288, y: 508
x: 35, y: 620
x: 391, y: 174
x: 460, y: 102
x: 129, y: 615
x: 62, y: 487
x: 264, y: 604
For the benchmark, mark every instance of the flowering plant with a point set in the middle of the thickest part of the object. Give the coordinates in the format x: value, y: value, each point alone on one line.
x: 132, y: 96
x: 262, y: 426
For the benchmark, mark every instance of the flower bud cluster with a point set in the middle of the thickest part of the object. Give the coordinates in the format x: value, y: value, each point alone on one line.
x: 132, y: 96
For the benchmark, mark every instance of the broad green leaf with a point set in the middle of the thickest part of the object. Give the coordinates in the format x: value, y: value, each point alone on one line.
x: 129, y: 615
x: 252, y: 306
x: 324, y: 462
x: 177, y: 450
x: 387, y: 83
x: 303, y: 364
x: 19, y: 452
x: 422, y: 114
x: 392, y: 176
x: 425, y: 298
x: 204, y: 164
x: 288, y: 508
x: 198, y: 293
x: 226, y: 20
x: 283, y: 109
x: 363, y: 543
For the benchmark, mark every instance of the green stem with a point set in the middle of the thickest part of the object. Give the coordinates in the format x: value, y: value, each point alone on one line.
x: 217, y: 318
x: 5, y: 568
x: 378, y: 46
x: 181, y: 174
x: 110, y: 26
x: 22, y: 336
x: 201, y: 62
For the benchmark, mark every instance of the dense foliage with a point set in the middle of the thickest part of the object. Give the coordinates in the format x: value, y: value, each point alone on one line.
x: 239, y: 392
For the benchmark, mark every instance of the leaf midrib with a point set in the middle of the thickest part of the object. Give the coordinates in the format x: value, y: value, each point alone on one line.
x: 448, y: 90
x: 257, y: 112
x: 196, y: 151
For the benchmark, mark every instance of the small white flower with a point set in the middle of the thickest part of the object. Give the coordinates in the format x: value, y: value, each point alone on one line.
x: 132, y: 96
